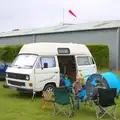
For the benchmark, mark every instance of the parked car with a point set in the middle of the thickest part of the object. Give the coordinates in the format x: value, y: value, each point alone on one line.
x: 3, y: 67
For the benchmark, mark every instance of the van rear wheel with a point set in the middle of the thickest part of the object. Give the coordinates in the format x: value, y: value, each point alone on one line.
x: 49, y: 87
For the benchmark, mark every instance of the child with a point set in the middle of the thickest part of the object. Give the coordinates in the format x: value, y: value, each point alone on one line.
x: 77, y: 85
x: 81, y: 79
x: 78, y: 90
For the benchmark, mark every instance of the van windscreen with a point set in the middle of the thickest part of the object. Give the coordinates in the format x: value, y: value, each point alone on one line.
x: 83, y: 60
x: 25, y: 61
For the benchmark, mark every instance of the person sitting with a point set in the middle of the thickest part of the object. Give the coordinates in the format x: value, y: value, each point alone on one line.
x: 99, y: 84
x: 65, y: 81
x: 81, y: 79
x: 78, y: 90
x: 77, y: 85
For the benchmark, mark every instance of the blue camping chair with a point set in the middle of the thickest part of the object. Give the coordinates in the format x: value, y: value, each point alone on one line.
x: 80, y: 97
x: 66, y: 82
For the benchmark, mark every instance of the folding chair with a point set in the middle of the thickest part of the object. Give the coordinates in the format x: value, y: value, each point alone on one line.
x: 106, y: 99
x: 48, y: 97
x: 89, y: 101
x: 63, y: 102
x: 33, y: 95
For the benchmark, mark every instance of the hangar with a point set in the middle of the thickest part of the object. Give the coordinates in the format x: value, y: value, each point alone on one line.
x: 100, y: 32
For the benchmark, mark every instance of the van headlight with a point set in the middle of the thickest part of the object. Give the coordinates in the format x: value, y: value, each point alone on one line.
x: 6, y: 74
x: 27, y: 77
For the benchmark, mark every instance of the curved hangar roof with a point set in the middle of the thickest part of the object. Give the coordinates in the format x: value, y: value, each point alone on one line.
x: 64, y: 28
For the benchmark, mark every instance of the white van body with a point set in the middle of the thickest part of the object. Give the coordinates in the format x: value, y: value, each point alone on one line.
x: 28, y: 73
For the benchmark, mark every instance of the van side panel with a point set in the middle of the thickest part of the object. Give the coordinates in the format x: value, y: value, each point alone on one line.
x: 44, y: 76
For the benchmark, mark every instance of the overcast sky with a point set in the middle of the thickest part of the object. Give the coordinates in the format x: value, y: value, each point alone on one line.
x: 24, y: 14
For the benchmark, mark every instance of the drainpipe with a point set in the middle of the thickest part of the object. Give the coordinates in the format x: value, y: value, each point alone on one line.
x: 117, y: 49
x: 34, y: 38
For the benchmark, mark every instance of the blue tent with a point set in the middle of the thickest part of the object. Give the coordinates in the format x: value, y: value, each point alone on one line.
x: 112, y: 80
x: 109, y: 78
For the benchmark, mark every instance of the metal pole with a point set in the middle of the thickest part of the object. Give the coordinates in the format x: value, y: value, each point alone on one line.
x: 34, y: 38
x: 63, y: 17
x: 117, y: 49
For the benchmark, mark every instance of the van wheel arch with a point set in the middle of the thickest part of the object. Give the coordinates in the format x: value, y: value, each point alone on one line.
x: 49, y: 86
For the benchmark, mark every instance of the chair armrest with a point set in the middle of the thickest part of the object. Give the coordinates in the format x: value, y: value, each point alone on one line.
x: 83, y: 86
x: 95, y: 97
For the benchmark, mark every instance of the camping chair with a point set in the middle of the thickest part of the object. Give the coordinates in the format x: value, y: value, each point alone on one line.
x: 81, y: 96
x: 47, y: 97
x: 63, y: 101
x: 105, y: 99
x: 33, y: 95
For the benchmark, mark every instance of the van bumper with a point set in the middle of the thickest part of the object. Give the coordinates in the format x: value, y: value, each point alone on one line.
x: 24, y: 90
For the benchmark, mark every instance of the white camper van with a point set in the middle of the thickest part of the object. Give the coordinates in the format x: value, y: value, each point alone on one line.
x: 38, y: 66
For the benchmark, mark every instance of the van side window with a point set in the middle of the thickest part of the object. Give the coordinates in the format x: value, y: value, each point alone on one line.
x: 83, y: 60
x: 49, y: 60
x: 91, y: 60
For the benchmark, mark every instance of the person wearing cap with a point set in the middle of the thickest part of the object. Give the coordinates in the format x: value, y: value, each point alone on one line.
x: 99, y: 84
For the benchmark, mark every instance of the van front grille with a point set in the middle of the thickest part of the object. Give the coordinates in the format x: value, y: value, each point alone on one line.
x: 16, y: 83
x: 17, y: 76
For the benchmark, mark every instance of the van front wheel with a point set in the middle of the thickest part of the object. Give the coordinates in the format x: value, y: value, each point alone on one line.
x: 49, y: 87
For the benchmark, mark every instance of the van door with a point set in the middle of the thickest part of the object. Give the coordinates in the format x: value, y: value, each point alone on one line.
x: 86, y: 65
x: 46, y: 72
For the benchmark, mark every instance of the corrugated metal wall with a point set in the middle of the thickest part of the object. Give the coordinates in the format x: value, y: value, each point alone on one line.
x: 108, y: 37
x: 16, y: 40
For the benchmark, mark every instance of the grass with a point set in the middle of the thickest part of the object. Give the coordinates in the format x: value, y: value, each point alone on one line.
x: 15, y: 106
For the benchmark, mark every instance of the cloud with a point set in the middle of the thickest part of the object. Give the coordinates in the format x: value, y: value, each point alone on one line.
x: 39, y: 13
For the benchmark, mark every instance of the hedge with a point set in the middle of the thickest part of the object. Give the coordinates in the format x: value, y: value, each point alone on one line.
x: 99, y: 52
x: 8, y: 53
